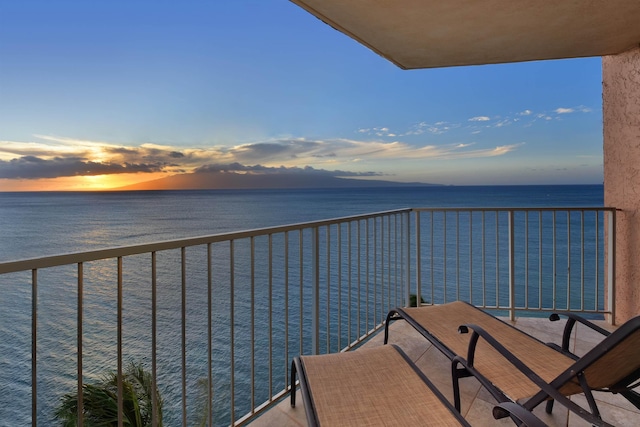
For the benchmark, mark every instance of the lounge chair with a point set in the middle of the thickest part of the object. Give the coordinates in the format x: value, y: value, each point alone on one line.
x: 376, y: 387
x: 514, y: 366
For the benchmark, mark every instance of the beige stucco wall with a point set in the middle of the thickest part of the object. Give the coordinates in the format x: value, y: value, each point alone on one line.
x: 621, y: 120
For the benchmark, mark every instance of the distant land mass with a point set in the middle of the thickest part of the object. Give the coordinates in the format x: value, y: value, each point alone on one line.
x: 226, y: 180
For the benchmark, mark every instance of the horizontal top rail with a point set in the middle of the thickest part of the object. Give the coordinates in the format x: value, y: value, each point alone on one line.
x: 114, y: 252
x: 517, y: 209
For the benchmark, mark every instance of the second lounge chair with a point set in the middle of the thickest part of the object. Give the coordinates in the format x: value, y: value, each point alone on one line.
x: 514, y: 366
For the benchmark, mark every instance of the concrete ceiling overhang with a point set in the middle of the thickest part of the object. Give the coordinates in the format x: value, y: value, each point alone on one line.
x: 442, y: 33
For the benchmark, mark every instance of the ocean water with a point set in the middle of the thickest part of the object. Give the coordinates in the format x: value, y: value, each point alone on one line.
x: 39, y: 224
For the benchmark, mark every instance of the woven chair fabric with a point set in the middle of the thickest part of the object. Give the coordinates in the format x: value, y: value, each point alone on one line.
x: 372, y: 387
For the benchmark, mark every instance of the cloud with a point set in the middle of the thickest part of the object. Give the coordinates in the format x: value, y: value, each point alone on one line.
x: 437, y: 128
x: 480, y: 119
x: 502, y: 123
x: 382, y: 131
x: 32, y: 167
x: 65, y: 157
x: 578, y: 109
x: 281, y: 170
x: 525, y: 113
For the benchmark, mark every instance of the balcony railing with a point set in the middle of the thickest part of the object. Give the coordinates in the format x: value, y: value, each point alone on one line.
x: 217, y: 319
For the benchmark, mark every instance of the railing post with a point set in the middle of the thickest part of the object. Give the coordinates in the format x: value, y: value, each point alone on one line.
x: 34, y: 347
x: 418, y: 263
x: 407, y: 233
x: 611, y: 264
x: 512, y: 281
x: 79, y: 327
x: 315, y: 313
x: 120, y: 385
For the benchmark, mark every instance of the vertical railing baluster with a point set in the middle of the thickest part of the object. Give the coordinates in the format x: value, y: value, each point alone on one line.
x: 568, y: 260
x: 582, y: 306
x: 301, y: 286
x: 526, y: 260
x: 497, y: 240
x: 418, y: 262
x: 540, y: 300
x: 470, y: 257
x: 397, y: 243
x: 432, y: 261
x: 270, y: 316
x: 611, y: 265
x: 457, y: 255
x: 597, y: 257
x: 315, y: 298
x: 444, y: 257
x: 397, y: 257
x: 359, y: 274
x: 183, y: 262
x: 328, y: 284
x: 350, y: 281
x: 388, y: 306
x: 554, y: 304
x: 512, y: 267
x: 597, y: 272
x: 375, y: 271
x: 232, y: 321
x: 79, y: 345
x: 34, y: 347
x: 286, y: 309
x: 484, y: 261
x: 119, y: 346
x: 339, y: 237
x: 406, y: 222
x: 367, y: 281
x: 252, y: 309
x: 209, y: 404
x: 155, y: 415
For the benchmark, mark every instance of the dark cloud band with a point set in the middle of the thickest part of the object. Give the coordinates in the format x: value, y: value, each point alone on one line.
x: 32, y: 167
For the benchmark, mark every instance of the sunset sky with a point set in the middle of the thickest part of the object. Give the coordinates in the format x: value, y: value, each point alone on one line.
x: 102, y: 94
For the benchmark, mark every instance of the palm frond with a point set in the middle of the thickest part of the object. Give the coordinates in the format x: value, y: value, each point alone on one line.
x: 100, y: 401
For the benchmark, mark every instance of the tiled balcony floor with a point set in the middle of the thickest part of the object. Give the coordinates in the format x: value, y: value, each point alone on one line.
x: 476, y: 402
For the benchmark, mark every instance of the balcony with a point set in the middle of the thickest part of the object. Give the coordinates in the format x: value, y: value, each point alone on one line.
x: 216, y: 319
x: 477, y: 403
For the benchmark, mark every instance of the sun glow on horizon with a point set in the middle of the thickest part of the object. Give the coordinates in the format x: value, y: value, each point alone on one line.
x: 79, y: 183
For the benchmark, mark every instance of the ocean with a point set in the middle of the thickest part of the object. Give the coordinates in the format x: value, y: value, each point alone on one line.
x: 41, y: 224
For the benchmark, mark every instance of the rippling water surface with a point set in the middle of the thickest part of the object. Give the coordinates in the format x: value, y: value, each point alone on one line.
x: 40, y: 224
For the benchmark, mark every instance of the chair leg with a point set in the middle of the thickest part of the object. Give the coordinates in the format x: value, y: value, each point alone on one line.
x: 391, y: 315
x: 292, y: 390
x: 632, y: 397
x: 549, y: 407
x: 588, y: 395
x: 456, y: 384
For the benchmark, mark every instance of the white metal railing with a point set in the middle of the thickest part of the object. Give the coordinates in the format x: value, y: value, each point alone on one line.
x: 229, y: 311
x: 232, y: 309
x: 533, y: 259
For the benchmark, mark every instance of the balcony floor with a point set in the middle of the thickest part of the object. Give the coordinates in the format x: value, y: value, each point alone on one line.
x: 477, y: 402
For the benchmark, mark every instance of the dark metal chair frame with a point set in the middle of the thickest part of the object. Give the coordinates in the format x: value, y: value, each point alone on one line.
x: 522, y: 416
x: 548, y: 391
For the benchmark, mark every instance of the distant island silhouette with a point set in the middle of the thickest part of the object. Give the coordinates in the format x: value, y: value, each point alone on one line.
x: 232, y: 180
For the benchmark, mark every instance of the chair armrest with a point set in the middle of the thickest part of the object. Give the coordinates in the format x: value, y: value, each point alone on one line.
x: 504, y: 409
x: 568, y: 327
x: 548, y: 389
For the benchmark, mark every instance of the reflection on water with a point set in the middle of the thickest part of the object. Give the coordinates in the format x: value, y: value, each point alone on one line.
x: 41, y: 224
